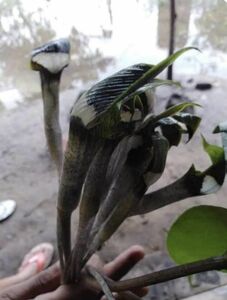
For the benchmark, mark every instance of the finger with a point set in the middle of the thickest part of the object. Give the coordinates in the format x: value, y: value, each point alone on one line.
x: 141, y: 292
x: 123, y: 296
x: 71, y: 292
x: 127, y: 296
x: 43, y: 282
x: 96, y: 262
x: 123, y: 263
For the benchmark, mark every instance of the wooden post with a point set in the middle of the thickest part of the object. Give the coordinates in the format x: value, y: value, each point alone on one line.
x: 173, y: 17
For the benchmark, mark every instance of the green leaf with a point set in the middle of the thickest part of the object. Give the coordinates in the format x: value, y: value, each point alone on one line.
x: 222, y: 128
x: 214, y: 152
x: 157, y: 69
x: 214, y: 176
x: 152, y: 85
x: 198, y: 233
x: 152, y: 73
x: 152, y: 120
x: 173, y: 110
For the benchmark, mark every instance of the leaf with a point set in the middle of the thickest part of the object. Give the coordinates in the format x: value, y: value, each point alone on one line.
x: 213, y: 151
x: 153, y: 72
x: 152, y: 120
x: 198, y: 233
x: 214, y: 176
x: 173, y: 110
x: 222, y: 128
x: 157, y: 69
x: 152, y: 85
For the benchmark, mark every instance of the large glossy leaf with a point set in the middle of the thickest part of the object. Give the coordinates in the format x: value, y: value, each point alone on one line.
x: 197, y: 234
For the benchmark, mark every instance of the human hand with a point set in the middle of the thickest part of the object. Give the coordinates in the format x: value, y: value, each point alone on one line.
x: 46, y: 285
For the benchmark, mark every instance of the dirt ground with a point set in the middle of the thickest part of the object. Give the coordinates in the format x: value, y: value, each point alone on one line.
x: 28, y: 176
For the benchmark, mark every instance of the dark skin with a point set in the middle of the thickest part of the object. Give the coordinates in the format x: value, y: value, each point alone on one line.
x: 46, y: 285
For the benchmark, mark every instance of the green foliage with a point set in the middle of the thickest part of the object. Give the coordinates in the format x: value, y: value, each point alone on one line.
x: 214, y: 176
x: 147, y: 76
x: 198, y: 233
x: 152, y: 85
x: 214, y: 152
x: 222, y: 128
x: 152, y: 73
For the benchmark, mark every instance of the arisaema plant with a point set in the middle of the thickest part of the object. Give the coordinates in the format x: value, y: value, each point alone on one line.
x: 50, y: 60
x: 117, y: 148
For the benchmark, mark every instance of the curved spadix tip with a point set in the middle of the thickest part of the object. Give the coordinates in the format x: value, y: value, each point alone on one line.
x: 53, y: 56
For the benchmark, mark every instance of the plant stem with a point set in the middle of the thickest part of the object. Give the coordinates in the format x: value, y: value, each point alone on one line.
x: 212, y: 263
x: 186, y: 186
x: 50, y: 93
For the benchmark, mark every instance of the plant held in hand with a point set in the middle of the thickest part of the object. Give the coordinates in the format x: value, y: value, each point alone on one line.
x: 117, y: 148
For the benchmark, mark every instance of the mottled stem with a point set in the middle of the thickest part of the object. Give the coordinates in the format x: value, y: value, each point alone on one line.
x: 187, y: 186
x: 212, y: 263
x: 94, y: 187
x: 50, y: 93
x: 81, y: 148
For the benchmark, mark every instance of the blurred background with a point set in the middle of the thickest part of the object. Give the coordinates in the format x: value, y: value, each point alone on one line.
x: 105, y: 36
